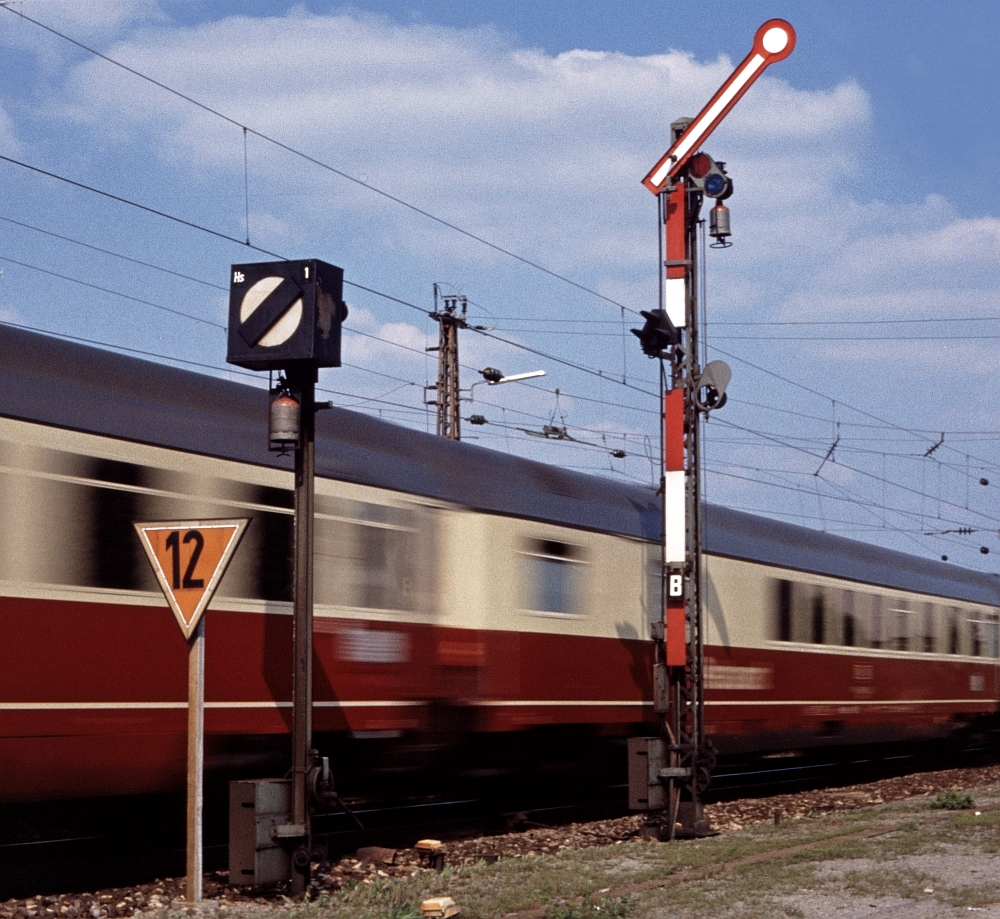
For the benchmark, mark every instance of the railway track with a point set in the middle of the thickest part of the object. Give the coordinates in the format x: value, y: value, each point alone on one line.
x: 123, y: 848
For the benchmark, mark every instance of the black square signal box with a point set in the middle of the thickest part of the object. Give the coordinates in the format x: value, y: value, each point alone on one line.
x: 283, y: 314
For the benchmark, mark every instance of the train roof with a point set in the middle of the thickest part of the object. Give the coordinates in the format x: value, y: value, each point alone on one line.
x: 55, y: 382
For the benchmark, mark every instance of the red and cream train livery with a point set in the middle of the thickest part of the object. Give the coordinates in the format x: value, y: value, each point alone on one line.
x: 463, y: 597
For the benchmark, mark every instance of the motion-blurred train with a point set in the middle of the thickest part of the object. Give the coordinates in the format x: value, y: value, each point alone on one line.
x: 471, y: 608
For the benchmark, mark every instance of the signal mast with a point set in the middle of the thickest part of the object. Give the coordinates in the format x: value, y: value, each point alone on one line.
x: 669, y: 773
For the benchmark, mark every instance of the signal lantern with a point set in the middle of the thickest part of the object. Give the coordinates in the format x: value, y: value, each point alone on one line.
x: 283, y: 421
x: 709, y: 177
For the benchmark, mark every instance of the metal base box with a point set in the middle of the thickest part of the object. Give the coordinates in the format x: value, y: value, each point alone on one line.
x: 646, y: 757
x: 255, y: 807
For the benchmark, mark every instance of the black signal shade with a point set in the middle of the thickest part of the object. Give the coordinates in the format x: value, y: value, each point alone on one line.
x: 658, y: 334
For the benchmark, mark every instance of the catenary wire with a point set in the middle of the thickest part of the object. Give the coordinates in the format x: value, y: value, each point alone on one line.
x: 216, y: 233
x: 118, y: 255
x: 861, y: 472
x: 317, y: 162
x: 108, y: 290
x: 889, y: 424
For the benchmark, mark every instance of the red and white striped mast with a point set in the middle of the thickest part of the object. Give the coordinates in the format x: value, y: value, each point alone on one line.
x: 681, y: 180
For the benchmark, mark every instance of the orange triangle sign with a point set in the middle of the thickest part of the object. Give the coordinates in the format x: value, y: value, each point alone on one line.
x: 189, y: 558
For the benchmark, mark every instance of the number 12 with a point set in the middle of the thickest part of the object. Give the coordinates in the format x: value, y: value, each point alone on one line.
x: 174, y: 544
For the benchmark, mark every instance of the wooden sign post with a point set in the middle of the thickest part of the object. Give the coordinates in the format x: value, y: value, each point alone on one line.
x: 189, y: 559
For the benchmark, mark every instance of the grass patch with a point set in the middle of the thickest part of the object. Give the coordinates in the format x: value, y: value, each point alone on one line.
x: 904, y: 883
x: 594, y: 883
x: 952, y: 800
x: 971, y: 821
x: 836, y: 848
x: 617, y: 908
x: 986, y: 895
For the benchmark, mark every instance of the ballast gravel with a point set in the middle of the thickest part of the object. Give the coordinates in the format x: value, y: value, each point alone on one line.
x: 167, y: 895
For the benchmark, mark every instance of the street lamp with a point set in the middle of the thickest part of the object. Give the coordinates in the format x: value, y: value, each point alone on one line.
x: 494, y: 377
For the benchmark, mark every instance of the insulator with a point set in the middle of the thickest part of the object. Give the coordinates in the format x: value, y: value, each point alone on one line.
x: 718, y: 222
x: 283, y: 430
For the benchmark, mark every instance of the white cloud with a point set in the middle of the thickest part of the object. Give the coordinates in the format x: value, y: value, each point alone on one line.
x: 88, y: 21
x: 92, y: 17
x: 542, y: 153
x: 9, y: 142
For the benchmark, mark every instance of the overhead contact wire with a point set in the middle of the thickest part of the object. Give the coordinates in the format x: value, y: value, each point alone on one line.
x: 316, y: 162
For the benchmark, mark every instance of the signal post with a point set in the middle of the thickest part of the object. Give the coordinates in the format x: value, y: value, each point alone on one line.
x: 286, y: 317
x: 669, y: 773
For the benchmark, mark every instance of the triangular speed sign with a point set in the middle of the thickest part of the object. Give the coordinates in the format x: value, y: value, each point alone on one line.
x: 189, y: 558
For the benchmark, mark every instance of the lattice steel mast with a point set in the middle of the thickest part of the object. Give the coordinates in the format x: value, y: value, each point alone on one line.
x: 450, y: 319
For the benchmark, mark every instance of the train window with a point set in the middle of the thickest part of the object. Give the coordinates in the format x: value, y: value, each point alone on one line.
x: 900, y: 623
x: 783, y: 608
x: 976, y: 636
x: 553, y: 577
x: 928, y: 628
x: 953, y: 634
x: 818, y: 617
x: 117, y: 554
x: 384, y: 579
x: 991, y: 628
x: 41, y: 538
x: 847, y: 609
x: 951, y: 630
x: 877, y: 622
x: 806, y: 613
x: 367, y: 563
x: 802, y: 612
x: 273, y: 535
x: 654, y: 584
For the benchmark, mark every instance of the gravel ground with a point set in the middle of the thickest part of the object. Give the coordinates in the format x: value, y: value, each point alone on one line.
x: 961, y: 874
x: 369, y: 864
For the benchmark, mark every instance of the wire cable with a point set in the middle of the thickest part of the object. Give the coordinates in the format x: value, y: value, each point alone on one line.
x: 317, y: 162
x: 108, y: 290
x: 118, y: 255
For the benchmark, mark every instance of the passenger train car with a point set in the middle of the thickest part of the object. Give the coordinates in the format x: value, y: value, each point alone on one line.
x: 471, y: 608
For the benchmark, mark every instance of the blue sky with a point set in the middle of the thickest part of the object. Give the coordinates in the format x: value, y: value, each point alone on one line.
x: 863, y: 167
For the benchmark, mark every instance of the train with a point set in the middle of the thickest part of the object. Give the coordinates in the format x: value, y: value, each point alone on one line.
x: 476, y: 614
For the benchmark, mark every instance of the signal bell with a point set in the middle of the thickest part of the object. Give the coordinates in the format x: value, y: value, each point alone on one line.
x: 283, y: 420
x: 719, y: 227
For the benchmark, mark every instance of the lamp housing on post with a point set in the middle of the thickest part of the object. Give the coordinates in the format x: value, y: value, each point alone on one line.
x: 710, y: 392
x: 709, y: 177
x: 285, y: 313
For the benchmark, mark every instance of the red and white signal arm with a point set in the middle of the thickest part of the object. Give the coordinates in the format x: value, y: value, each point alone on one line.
x: 774, y: 41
